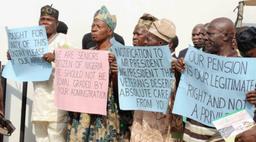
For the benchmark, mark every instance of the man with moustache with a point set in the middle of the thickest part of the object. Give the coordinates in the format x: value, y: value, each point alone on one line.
x: 49, y: 123
x: 220, y: 41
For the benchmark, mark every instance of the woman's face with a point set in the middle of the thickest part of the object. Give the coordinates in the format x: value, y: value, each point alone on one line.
x: 100, y: 31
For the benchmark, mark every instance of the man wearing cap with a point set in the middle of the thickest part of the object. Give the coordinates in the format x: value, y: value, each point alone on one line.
x: 141, y: 29
x: 156, y: 127
x: 140, y: 33
x: 86, y: 127
x: 49, y: 123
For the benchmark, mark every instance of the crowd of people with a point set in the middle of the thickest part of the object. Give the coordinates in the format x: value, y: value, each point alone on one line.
x: 219, y: 37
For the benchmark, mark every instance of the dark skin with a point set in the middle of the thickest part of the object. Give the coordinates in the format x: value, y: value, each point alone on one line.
x: 101, y: 34
x: 51, y: 25
x: 228, y: 49
x: 249, y: 135
x: 250, y: 53
x: 172, y: 49
x: 251, y: 97
x: 140, y: 36
x: 198, y: 34
x: 198, y: 39
x: 220, y: 35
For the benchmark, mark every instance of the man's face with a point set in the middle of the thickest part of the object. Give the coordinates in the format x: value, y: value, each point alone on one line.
x: 198, y: 34
x: 50, y: 24
x: 139, y: 36
x: 100, y: 31
x: 214, y: 39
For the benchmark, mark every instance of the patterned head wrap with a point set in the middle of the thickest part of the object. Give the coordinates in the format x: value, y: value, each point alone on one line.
x: 104, y: 15
x: 146, y: 20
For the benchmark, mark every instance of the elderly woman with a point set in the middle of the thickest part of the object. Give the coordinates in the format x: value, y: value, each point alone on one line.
x: 90, y: 127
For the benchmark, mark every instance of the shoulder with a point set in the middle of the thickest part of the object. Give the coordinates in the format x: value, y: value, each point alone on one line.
x: 119, y: 38
x: 62, y: 40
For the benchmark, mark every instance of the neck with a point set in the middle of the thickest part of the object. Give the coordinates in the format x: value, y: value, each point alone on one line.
x: 50, y: 36
x: 225, y: 50
x: 103, y: 45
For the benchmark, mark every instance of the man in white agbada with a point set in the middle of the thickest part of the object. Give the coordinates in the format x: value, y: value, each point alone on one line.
x: 49, y: 123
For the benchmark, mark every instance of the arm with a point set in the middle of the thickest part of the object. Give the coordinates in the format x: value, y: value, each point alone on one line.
x: 49, y: 57
x: 251, y: 97
x: 247, y: 136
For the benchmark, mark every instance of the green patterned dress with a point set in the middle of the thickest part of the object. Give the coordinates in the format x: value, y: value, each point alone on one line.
x: 83, y: 127
x: 96, y: 128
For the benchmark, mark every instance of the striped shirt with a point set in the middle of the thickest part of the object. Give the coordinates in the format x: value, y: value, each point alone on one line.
x: 197, y: 132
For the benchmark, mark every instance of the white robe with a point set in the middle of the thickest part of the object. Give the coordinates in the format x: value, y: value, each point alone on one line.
x: 44, y: 108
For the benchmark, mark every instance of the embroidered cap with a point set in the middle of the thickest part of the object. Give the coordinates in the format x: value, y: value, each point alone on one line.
x: 49, y: 11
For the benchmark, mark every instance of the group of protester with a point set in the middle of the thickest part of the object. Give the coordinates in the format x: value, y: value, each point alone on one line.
x: 219, y: 37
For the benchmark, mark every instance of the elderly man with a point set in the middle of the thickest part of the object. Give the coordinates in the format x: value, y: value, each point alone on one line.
x: 140, y: 31
x: 49, y: 123
x: 220, y: 41
x: 221, y: 37
x: 153, y: 126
